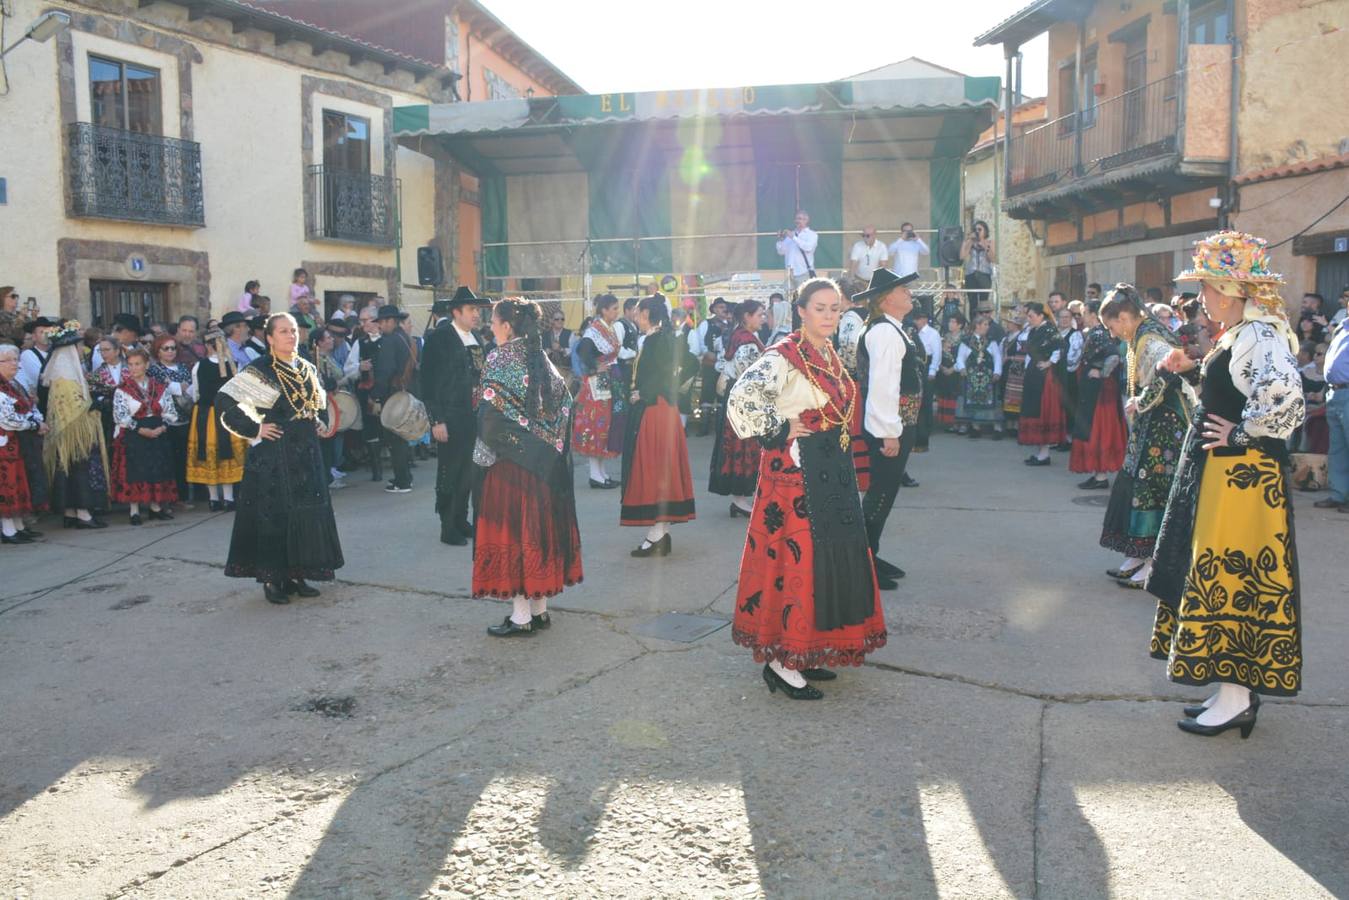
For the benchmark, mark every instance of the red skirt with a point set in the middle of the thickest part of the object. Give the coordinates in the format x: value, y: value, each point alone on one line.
x: 1104, y: 450
x: 525, y: 541
x: 775, y: 601
x: 946, y: 410
x: 659, y: 486
x: 590, y: 431
x: 1051, y: 426
x: 861, y: 451
x: 15, y: 497
x: 153, y: 457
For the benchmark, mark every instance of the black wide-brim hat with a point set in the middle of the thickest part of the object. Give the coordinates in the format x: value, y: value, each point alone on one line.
x: 464, y: 296
x: 390, y: 312
x: 127, y: 321
x: 233, y: 317
x: 883, y: 281
x: 40, y: 322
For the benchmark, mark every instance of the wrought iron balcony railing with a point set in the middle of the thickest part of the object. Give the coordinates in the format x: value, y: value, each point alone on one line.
x: 117, y: 174
x: 352, y: 206
x: 1137, y: 125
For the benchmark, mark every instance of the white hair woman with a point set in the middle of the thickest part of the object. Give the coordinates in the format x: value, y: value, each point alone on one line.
x: 23, y: 486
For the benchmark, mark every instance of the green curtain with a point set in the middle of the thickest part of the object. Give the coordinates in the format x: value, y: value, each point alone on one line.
x: 627, y: 203
x: 944, y: 182
x: 798, y: 167
x: 492, y: 196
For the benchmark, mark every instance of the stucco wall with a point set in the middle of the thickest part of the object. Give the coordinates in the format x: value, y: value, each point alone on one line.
x: 1018, y: 257
x: 248, y: 112
x: 1277, y: 210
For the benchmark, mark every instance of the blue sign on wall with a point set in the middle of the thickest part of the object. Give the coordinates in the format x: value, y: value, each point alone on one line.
x: 4, y: 191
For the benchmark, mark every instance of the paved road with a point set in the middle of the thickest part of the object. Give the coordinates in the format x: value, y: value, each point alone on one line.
x: 166, y: 733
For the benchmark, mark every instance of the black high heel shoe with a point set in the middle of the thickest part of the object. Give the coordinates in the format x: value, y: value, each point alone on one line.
x: 1194, y: 712
x: 301, y: 587
x: 275, y: 593
x: 818, y: 674
x: 18, y: 538
x: 662, y: 547
x: 776, y: 683
x: 161, y: 514
x: 1245, y: 720
x: 737, y: 512
x: 135, y: 518
x: 69, y: 522
x: 215, y: 506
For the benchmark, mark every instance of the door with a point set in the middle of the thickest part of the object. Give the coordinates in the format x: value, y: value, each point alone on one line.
x: 1154, y: 270
x: 1071, y: 281
x: 1332, y: 277
x: 146, y: 300
x: 1135, y: 77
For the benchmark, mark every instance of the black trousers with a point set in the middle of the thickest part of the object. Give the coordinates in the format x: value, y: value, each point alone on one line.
x: 886, y: 474
x: 454, y: 479
x: 400, y: 455
x: 924, y: 427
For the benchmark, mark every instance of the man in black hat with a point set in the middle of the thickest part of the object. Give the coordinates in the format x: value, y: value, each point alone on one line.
x: 451, y: 372
x: 890, y: 377
x: 393, y: 371
x: 703, y: 344
x: 256, y: 345
x: 236, y: 331
x: 33, y: 359
x: 126, y: 331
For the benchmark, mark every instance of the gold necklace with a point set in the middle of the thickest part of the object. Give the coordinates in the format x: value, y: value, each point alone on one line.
x: 836, y: 371
x: 299, y: 389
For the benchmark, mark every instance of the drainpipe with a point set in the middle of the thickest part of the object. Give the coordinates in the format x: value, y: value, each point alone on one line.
x: 1230, y: 200
x: 1080, y: 101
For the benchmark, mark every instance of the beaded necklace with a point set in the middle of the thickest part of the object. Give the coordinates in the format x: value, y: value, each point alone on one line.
x: 834, y: 369
x: 298, y: 387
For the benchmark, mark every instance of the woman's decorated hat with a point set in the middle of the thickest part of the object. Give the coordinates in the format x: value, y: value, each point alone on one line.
x: 1231, y: 256
x: 68, y: 333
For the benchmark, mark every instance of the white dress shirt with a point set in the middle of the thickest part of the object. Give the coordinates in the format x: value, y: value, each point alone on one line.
x: 797, y: 250
x: 469, y: 339
x: 904, y: 254
x: 850, y: 328
x: 30, y: 368
x: 621, y: 326
x: 885, y: 355
x: 931, y: 341
x: 868, y: 259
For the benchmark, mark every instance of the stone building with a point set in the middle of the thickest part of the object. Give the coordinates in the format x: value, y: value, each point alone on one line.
x: 1168, y: 119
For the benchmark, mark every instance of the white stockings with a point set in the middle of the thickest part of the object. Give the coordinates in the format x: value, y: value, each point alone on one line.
x: 1231, y: 700
x: 791, y: 676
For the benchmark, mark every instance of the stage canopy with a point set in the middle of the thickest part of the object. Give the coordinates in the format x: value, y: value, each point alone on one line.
x: 696, y: 174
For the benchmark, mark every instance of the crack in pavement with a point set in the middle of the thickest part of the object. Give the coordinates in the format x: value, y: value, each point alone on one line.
x: 179, y: 863
x: 1035, y: 809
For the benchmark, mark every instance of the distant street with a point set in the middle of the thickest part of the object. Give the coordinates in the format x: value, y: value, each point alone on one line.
x: 167, y: 733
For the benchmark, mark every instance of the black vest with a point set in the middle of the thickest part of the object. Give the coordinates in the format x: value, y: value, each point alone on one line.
x: 910, y: 369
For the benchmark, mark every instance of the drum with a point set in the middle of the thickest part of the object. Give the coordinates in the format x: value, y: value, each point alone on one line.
x: 348, y: 410
x: 334, y: 416
x: 405, y: 416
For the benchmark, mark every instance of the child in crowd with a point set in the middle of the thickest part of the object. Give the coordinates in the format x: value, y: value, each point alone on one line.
x: 299, y: 286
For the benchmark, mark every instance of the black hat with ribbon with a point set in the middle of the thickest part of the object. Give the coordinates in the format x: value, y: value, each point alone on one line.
x: 40, y: 322
x: 464, y: 296
x: 127, y: 321
x: 882, y: 282
x: 389, y: 311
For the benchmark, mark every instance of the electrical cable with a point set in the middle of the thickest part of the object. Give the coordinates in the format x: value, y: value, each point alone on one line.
x: 1319, y: 220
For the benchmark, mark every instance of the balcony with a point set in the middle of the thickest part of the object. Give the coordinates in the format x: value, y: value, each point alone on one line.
x: 117, y: 174
x: 352, y: 207
x: 1125, y: 147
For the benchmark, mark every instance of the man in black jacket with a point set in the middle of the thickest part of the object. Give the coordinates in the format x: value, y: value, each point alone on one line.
x: 451, y: 370
x: 393, y: 373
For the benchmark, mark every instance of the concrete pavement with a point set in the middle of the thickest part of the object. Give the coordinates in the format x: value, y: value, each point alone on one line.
x: 169, y: 734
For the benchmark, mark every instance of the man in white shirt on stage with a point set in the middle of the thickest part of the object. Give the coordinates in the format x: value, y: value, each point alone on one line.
x: 905, y: 252
x: 797, y: 249
x: 867, y: 255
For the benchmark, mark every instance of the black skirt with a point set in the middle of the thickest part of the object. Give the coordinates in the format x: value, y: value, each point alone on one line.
x: 284, y: 526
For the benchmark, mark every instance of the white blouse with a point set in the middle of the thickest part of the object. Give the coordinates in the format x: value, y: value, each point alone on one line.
x: 767, y: 394
x: 125, y: 407
x: 1264, y: 369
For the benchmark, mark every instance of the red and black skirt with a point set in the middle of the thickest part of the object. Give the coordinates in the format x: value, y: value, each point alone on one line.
x: 735, y: 461
x: 1051, y: 425
x: 1103, y: 450
x: 775, y: 600
x: 525, y: 540
x: 143, y: 469
x: 657, y: 481
x: 16, y: 498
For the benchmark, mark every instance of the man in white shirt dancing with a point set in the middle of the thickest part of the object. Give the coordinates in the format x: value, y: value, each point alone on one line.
x: 797, y: 249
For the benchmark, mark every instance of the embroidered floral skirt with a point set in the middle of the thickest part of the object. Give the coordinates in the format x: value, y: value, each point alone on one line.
x: 775, y: 600
x: 16, y: 498
x: 213, y: 469
x: 1103, y: 451
x: 525, y: 542
x: 1239, y: 618
x: 735, y: 461
x: 658, y: 483
x: 1138, y: 497
x: 1013, y: 386
x: 1051, y: 425
x: 593, y: 419
x: 143, y: 470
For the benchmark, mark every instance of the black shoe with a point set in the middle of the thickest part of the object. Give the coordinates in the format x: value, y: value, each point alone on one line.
x: 17, y: 538
x: 1062, y: 447
x: 451, y: 535
x: 737, y: 512
x: 541, y: 622
x: 1328, y: 503
x: 301, y: 587
x: 1245, y: 720
x: 1123, y: 572
x: 230, y: 506
x: 1094, y: 484
x: 776, y: 683
x: 69, y: 522
x: 818, y: 674
x: 135, y: 518
x: 81, y: 525
x: 275, y: 594
x: 163, y: 515
x: 662, y: 547
x: 607, y: 485
x: 466, y: 528
x: 889, y: 570
x: 1036, y: 461
x: 507, y: 628
x: 32, y: 535
x: 215, y: 506
x: 1194, y: 712
x: 908, y: 481
x: 885, y: 582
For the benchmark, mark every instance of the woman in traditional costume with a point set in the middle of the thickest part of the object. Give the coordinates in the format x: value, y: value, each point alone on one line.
x: 735, y: 460
x: 177, y: 377
x: 526, y: 544
x: 1043, y: 422
x: 284, y: 531
x: 1014, y: 373
x: 1226, y: 571
x: 807, y: 596
x: 598, y: 354
x: 142, y: 455
x: 1157, y: 408
x: 23, y: 484
x: 74, y: 450
x: 946, y: 384
x: 657, y: 481
x: 215, y: 458
x: 1099, y: 434
x: 979, y: 366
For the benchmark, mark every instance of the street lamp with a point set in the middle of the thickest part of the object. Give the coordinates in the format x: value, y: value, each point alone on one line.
x: 42, y: 30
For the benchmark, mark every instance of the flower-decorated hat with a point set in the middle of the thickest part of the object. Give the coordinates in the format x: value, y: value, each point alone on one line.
x: 69, y: 333
x: 1231, y: 256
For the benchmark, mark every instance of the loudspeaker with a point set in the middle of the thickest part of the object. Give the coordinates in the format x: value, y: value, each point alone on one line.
x: 949, y: 239
x: 430, y: 271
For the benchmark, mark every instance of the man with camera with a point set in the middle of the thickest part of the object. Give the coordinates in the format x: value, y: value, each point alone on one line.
x: 796, y: 246
x: 905, y: 252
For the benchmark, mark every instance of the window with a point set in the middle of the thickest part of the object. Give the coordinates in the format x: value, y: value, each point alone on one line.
x: 1067, y: 94
x: 1209, y: 23
x: 125, y: 96
x: 451, y: 44
x: 145, y: 300
x: 346, y: 142
x: 498, y: 88
x: 1090, y: 76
